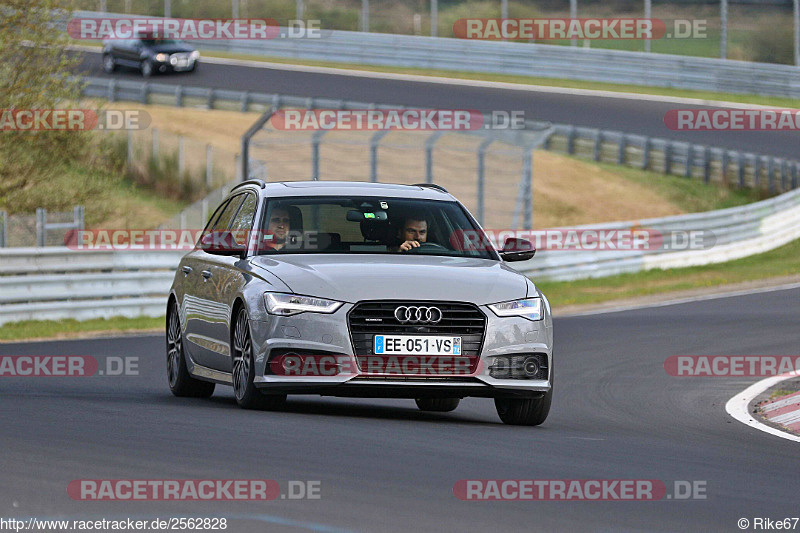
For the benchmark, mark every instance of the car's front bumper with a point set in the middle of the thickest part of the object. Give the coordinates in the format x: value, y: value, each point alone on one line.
x: 314, y: 333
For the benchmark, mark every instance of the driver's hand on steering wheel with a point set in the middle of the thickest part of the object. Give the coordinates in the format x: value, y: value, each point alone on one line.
x: 406, y: 246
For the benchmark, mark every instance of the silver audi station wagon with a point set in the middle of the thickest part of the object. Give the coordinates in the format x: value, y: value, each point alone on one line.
x: 358, y: 290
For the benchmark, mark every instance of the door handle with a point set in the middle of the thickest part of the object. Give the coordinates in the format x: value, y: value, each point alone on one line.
x: 206, y: 274
x: 187, y: 270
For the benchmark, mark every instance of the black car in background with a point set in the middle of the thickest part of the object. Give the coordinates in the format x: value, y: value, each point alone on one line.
x: 149, y: 55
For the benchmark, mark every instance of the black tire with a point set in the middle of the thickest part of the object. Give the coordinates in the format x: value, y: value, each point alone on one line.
x: 246, y: 393
x: 109, y: 64
x: 437, y: 405
x: 529, y: 412
x: 181, y: 383
x: 146, y: 68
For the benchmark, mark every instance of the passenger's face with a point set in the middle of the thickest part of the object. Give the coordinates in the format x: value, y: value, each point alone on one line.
x: 415, y: 230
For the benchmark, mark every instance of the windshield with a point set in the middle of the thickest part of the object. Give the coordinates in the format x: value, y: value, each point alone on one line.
x: 369, y: 225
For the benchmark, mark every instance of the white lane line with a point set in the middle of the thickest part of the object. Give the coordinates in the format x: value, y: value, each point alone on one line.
x: 523, y: 87
x: 737, y: 406
x: 691, y: 299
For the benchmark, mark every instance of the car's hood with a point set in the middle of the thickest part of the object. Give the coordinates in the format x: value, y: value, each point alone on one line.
x: 171, y: 48
x: 352, y: 278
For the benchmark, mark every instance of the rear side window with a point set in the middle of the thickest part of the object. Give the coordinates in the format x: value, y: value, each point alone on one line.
x: 224, y: 220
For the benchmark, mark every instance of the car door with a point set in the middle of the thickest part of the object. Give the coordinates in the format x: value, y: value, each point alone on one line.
x: 227, y: 279
x: 206, y: 314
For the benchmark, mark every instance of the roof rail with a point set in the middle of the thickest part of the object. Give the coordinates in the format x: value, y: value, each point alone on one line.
x: 254, y: 181
x: 431, y: 186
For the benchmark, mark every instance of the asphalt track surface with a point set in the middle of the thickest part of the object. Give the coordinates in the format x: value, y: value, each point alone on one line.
x: 630, y: 116
x: 385, y: 466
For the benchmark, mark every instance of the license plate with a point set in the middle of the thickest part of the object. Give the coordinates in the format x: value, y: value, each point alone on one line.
x: 416, y: 345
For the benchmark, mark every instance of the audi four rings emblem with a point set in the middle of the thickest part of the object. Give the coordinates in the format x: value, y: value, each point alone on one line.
x: 417, y: 315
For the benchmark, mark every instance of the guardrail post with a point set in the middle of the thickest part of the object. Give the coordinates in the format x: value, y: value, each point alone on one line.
x: 482, y: 176
x: 143, y: 92
x: 209, y: 165
x: 373, y: 154
x: 429, y: 142
x: 210, y: 102
x: 623, y: 142
x: 724, y: 166
x: 41, y: 227
x: 179, y: 96
x: 598, y: 139
x: 78, y: 217
x: 740, y: 170
x: 3, y: 229
x: 756, y: 172
x: 668, y: 158
x: 316, y: 140
x: 244, y: 103
x: 111, y: 91
x: 572, y: 133
x: 646, y: 153
x: 706, y: 164
x: 794, y: 175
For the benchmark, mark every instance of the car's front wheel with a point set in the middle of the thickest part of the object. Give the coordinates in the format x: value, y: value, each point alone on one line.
x: 181, y: 383
x: 526, y: 412
x: 109, y: 64
x: 438, y: 405
x: 247, y: 395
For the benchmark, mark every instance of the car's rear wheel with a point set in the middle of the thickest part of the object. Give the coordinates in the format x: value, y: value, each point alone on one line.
x: 438, y: 405
x: 247, y: 395
x: 147, y: 68
x: 109, y: 64
x: 181, y: 383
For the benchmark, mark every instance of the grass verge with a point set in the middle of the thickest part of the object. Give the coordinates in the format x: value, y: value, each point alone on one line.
x: 783, y: 261
x: 64, y: 329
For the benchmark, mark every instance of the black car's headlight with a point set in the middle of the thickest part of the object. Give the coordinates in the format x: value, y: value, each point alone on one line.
x: 291, y: 304
x: 530, y: 308
x: 162, y: 58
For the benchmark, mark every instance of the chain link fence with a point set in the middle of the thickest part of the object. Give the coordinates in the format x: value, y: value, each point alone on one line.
x: 43, y: 228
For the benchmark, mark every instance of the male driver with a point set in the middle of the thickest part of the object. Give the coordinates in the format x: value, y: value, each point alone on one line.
x: 414, y: 231
x: 277, y: 229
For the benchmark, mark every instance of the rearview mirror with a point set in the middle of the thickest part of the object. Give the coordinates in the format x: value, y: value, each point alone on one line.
x: 354, y: 215
x: 517, y: 250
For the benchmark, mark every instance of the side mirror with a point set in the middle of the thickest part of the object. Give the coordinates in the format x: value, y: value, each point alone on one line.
x: 222, y: 243
x: 517, y: 250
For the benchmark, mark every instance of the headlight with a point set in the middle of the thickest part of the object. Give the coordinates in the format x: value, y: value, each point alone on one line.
x: 292, y: 304
x: 530, y: 308
x: 162, y: 57
x: 173, y: 60
x: 195, y: 55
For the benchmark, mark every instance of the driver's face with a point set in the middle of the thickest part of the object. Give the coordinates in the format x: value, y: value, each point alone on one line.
x: 414, y: 230
x: 279, y: 224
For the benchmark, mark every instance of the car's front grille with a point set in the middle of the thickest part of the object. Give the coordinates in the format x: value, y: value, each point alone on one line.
x: 464, y: 320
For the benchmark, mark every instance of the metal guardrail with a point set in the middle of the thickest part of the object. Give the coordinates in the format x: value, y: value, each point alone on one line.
x: 522, y: 59
x: 56, y: 283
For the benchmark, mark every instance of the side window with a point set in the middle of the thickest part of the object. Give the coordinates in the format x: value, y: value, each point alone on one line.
x: 243, y: 222
x: 224, y: 220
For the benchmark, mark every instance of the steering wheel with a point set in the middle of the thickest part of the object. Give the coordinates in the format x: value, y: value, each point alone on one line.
x: 427, y: 246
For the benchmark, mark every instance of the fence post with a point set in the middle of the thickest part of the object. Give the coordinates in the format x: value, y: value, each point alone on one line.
x: 374, y: 141
x: 41, y: 227
x: 740, y: 170
x: 429, y: 142
x: 3, y: 231
x: 78, y: 217
x: 482, y: 176
x: 209, y: 165
x: 623, y: 141
x: 316, y: 140
x: 155, y: 143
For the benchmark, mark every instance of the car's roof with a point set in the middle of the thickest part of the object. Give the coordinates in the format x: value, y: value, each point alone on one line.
x: 352, y: 188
